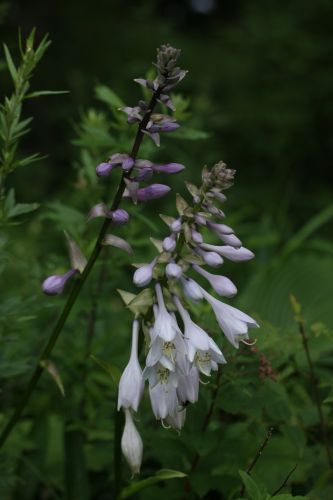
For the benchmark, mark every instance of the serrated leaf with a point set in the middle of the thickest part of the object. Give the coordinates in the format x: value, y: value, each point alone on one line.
x: 112, y: 370
x: 116, y: 241
x: 161, y: 475
x: 51, y: 368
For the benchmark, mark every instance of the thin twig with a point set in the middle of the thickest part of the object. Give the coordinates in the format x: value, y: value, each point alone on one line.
x: 314, y: 384
x: 257, y: 456
x: 285, y: 481
x: 80, y: 281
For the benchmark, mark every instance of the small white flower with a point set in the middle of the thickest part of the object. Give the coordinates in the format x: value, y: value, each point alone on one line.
x: 131, y: 382
x: 162, y: 391
x: 233, y: 322
x: 144, y: 274
x: 165, y: 325
x: 221, y: 284
x: 131, y: 444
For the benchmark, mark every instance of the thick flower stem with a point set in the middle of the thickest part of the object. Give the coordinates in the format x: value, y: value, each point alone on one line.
x: 75, y: 291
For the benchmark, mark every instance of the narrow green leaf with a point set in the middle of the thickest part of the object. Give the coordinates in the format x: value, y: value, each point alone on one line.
x: 10, y: 63
x: 161, y: 475
x: 39, y: 93
x: 51, y: 368
x: 22, y: 208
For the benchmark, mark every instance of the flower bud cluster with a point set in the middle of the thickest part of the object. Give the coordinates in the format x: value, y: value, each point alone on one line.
x: 179, y: 351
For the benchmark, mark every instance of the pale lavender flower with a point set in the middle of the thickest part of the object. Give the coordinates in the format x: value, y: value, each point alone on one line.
x: 221, y: 284
x: 191, y: 289
x: 151, y: 192
x: 188, y: 386
x: 163, y: 393
x: 134, y: 114
x: 131, y: 444
x: 168, y: 168
x: 104, y: 169
x: 233, y: 322
x: 212, y: 259
x: 165, y: 325
x: 176, y: 226
x: 131, y: 382
x: 241, y: 254
x: 54, y: 285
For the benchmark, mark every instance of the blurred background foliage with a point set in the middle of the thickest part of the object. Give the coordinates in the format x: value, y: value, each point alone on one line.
x: 259, y: 96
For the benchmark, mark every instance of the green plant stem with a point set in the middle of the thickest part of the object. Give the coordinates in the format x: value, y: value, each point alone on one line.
x: 75, y: 291
x: 314, y: 384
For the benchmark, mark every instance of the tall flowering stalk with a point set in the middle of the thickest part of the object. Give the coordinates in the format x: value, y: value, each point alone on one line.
x: 178, y: 351
x: 134, y: 184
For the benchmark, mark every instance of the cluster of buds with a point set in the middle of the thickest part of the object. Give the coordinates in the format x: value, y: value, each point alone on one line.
x: 178, y: 351
x: 135, y: 170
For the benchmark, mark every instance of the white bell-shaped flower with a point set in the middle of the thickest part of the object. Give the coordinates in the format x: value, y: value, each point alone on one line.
x: 233, y: 322
x: 165, y: 325
x: 131, y: 382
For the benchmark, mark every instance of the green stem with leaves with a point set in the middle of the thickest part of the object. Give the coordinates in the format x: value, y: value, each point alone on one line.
x: 78, y: 285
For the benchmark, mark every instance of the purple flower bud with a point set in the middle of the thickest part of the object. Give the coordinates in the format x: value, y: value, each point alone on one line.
x: 119, y: 216
x: 231, y: 239
x: 152, y: 192
x: 54, y: 285
x: 104, y: 169
x: 127, y: 163
x: 169, y: 168
x: 199, y: 219
x: 173, y: 271
x: 169, y: 243
x: 241, y: 254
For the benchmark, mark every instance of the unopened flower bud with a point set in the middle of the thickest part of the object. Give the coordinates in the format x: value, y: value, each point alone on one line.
x: 120, y: 216
x: 176, y: 226
x: 152, y: 192
x: 169, y: 243
x: 173, y: 271
x: 144, y: 274
x: 169, y: 168
x: 104, y: 169
x: 196, y: 236
x: 212, y: 259
x: 54, y: 285
x: 191, y: 289
x: 131, y: 444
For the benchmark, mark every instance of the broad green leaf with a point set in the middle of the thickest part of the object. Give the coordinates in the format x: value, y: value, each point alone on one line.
x: 254, y: 491
x: 161, y: 475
